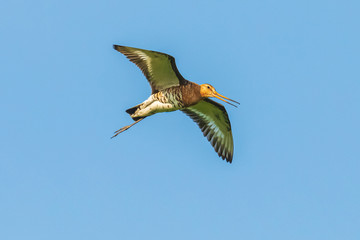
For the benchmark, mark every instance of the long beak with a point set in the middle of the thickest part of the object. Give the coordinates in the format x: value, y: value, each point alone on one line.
x: 219, y: 96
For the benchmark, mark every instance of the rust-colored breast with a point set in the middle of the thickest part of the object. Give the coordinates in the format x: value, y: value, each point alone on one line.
x: 190, y: 94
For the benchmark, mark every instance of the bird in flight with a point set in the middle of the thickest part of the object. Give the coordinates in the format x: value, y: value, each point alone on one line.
x: 171, y: 92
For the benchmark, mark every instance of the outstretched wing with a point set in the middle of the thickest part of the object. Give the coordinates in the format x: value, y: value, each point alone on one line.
x: 214, y: 122
x: 159, y: 68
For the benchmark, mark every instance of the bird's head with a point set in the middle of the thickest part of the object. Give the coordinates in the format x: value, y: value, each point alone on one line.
x: 206, y: 91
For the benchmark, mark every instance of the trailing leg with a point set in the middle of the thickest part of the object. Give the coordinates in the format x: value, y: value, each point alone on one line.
x: 126, y: 127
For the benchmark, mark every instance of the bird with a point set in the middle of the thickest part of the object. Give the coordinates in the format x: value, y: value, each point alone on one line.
x: 171, y: 92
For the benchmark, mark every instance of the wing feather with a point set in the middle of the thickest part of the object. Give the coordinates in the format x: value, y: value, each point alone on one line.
x: 159, y: 68
x: 213, y: 120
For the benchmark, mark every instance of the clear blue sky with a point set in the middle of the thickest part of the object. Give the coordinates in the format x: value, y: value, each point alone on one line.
x: 293, y: 65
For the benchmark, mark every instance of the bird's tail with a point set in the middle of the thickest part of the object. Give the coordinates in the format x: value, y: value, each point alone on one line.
x: 132, y: 110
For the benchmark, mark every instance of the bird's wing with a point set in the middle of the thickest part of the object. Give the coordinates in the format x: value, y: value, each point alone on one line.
x: 214, y: 122
x: 159, y: 68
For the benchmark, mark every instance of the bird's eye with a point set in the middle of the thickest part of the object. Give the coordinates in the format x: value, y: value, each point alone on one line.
x: 208, y: 87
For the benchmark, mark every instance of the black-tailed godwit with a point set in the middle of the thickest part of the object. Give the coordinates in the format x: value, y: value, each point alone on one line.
x: 171, y: 92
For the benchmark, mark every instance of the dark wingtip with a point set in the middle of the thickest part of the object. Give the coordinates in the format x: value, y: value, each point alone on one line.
x: 228, y: 158
x: 117, y: 47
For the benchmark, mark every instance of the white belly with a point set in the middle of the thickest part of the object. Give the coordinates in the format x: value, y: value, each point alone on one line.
x: 152, y: 105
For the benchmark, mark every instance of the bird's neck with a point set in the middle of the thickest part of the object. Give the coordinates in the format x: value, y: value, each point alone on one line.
x: 190, y: 94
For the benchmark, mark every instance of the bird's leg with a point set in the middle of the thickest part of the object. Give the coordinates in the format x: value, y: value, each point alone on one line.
x: 126, y: 127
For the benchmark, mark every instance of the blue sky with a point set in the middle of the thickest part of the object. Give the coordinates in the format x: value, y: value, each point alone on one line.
x: 293, y: 65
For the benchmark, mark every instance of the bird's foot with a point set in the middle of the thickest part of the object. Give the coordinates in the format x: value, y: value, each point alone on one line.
x: 126, y: 127
x: 121, y: 130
